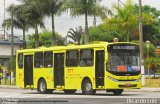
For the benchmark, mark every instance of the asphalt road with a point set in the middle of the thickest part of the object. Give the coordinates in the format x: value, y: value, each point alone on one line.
x: 59, y: 97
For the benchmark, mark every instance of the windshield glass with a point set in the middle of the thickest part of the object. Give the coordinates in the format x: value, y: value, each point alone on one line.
x: 123, y: 58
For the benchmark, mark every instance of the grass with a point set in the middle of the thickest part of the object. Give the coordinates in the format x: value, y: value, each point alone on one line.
x: 155, y: 83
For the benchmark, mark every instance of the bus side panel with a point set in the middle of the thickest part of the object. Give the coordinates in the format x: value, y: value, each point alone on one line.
x: 37, y: 74
x: 20, y: 78
x: 88, y: 72
x: 47, y: 74
x: 73, y: 78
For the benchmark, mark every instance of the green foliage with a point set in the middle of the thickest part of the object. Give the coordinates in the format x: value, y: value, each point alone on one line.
x: 98, y: 33
x: 126, y: 22
x: 10, y: 67
x: 148, y: 10
x: 45, y: 39
x: 76, y: 35
x: 151, y: 49
x: 124, y: 25
x: 87, y: 8
x: 154, y: 60
x: 1, y: 71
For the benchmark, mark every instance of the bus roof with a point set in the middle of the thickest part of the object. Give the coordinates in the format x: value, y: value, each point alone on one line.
x: 73, y: 46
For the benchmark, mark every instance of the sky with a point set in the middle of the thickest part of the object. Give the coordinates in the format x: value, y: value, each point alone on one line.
x: 65, y: 22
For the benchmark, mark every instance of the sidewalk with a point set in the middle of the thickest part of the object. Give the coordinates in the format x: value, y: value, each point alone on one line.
x: 9, y: 87
x: 144, y: 89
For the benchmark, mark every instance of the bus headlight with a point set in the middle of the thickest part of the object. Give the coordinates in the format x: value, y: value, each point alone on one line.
x: 137, y: 80
x: 113, y: 79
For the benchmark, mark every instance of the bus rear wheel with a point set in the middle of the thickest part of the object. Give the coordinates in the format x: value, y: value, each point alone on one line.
x: 117, y: 91
x: 69, y: 91
x: 87, y: 88
x: 42, y: 87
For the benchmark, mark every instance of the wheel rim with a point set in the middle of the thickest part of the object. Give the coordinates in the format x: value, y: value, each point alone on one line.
x: 42, y: 86
x: 88, y: 86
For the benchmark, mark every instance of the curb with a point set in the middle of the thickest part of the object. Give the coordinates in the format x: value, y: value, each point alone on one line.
x: 126, y: 90
x: 143, y: 90
x: 9, y: 87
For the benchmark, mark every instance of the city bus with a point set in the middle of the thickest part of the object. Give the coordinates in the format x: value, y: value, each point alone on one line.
x: 96, y: 66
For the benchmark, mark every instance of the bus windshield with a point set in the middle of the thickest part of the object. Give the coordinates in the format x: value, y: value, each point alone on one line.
x: 123, y: 58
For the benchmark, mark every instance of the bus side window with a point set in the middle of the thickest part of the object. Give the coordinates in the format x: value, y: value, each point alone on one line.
x: 48, y: 59
x: 20, y: 60
x: 72, y: 57
x: 38, y: 60
x: 86, y: 57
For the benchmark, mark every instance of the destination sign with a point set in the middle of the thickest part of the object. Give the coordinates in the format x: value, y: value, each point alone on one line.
x: 124, y: 47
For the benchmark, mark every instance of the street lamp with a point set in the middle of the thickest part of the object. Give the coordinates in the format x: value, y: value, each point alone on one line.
x: 141, y: 42
x: 148, y: 44
x: 4, y: 19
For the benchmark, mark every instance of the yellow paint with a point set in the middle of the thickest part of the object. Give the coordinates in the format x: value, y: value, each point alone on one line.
x: 73, y: 76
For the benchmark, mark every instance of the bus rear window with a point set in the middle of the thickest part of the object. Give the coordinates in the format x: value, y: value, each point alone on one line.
x: 20, y: 60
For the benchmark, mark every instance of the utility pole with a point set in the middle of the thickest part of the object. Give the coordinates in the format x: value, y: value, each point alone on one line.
x: 94, y: 21
x: 4, y: 20
x: 11, y: 42
x: 118, y: 4
x: 141, y: 42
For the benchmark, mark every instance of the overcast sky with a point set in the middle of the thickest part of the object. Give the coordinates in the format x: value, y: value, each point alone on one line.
x: 65, y: 22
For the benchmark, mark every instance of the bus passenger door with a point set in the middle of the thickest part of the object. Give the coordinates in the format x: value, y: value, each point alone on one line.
x: 99, y: 68
x: 28, y: 70
x: 58, y: 69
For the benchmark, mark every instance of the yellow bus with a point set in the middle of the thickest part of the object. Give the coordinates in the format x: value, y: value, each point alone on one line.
x: 97, y: 66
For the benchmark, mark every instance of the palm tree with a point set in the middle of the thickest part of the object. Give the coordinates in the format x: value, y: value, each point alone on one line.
x: 87, y: 8
x: 76, y: 35
x: 125, y: 22
x: 34, y: 13
x: 49, y: 8
x: 19, y: 20
x: 52, y: 8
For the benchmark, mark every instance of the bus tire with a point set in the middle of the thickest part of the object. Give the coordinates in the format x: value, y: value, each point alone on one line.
x: 69, y: 91
x: 117, y: 91
x: 87, y: 88
x: 42, y: 87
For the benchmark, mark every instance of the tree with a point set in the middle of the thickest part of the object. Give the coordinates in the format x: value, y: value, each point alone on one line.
x: 34, y: 13
x: 125, y: 22
x: 150, y: 28
x: 76, y: 35
x: 45, y: 39
x: 19, y: 20
x: 99, y: 33
x: 148, y: 10
x: 87, y: 8
x: 52, y: 8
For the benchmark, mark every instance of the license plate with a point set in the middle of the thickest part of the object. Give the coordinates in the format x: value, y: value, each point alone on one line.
x: 127, y: 85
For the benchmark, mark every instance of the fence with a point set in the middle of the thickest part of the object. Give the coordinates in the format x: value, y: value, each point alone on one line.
x: 8, y: 80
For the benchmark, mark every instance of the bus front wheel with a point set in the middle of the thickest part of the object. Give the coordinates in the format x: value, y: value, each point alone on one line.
x: 87, y: 88
x: 117, y: 91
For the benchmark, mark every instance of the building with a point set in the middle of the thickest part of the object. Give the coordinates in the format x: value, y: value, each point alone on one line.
x: 5, y: 48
